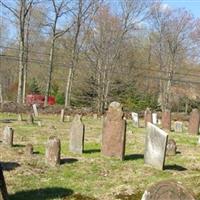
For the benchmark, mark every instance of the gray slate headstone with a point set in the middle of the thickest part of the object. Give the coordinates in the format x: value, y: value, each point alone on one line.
x: 8, y: 134
x: 178, y: 127
x: 76, y: 142
x: 135, y: 118
x: 154, y: 118
x: 35, y: 110
x: 155, y: 146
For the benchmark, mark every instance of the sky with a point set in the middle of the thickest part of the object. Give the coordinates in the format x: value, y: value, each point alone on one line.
x: 192, y: 5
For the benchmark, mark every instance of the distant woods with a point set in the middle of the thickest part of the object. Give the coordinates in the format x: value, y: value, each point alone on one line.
x: 88, y: 53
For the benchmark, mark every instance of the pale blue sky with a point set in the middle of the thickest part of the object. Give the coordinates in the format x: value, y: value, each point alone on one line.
x: 192, y: 5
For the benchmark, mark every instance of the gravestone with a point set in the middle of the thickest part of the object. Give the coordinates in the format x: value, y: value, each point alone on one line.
x: 155, y: 146
x: 76, y: 141
x: 168, y: 190
x: 95, y: 116
x: 53, y: 151
x: 35, y: 110
x: 194, y: 120
x: 154, y: 118
x: 198, y: 140
x: 166, y: 120
x: 3, y: 189
x: 178, y: 127
x: 20, y: 117
x: 147, y: 116
x: 62, y: 117
x: 171, y: 148
x: 135, y: 118
x: 8, y: 134
x: 39, y: 123
x: 30, y: 119
x: 114, y: 132
x: 29, y: 150
x: 67, y: 118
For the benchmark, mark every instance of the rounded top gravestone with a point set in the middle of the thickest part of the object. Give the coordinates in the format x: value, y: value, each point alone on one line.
x: 168, y: 190
x: 115, y: 111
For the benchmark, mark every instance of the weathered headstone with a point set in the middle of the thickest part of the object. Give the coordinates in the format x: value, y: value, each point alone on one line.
x: 178, y: 127
x: 168, y: 190
x: 35, y: 110
x: 135, y: 118
x: 114, y: 132
x: 8, y: 134
x: 29, y: 149
x: 3, y: 189
x: 53, y: 151
x: 76, y: 142
x: 30, y: 119
x: 147, y: 116
x: 20, y: 117
x: 39, y: 123
x: 95, y: 116
x: 171, y: 148
x: 193, y: 128
x: 155, y: 146
x: 67, y: 118
x: 166, y: 120
x: 154, y: 118
x: 62, y: 117
x: 198, y: 140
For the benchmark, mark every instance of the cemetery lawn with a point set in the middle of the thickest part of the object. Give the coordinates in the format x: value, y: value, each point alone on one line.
x: 90, y: 176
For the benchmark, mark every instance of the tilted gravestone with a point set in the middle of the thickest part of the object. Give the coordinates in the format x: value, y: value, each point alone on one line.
x: 114, y: 132
x: 3, y: 189
x: 154, y: 118
x: 8, y: 134
x: 155, y: 146
x: 62, y: 115
x: 147, y: 116
x: 171, y: 148
x: 53, y: 151
x: 193, y: 128
x: 77, y: 131
x: 178, y: 127
x: 135, y: 119
x: 35, y: 110
x: 166, y: 120
x: 168, y: 190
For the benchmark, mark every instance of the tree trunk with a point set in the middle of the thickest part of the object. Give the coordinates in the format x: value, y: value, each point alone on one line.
x: 50, y: 70
x: 68, y: 88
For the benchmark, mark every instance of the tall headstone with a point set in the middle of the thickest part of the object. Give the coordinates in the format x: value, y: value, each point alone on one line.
x: 76, y: 141
x: 3, y: 189
x: 62, y: 117
x: 168, y: 190
x: 114, y: 132
x: 171, y: 148
x: 20, y: 117
x: 35, y: 110
x: 154, y: 118
x: 193, y: 128
x: 178, y: 127
x: 155, y: 146
x: 147, y: 116
x: 166, y: 120
x: 8, y: 134
x: 135, y: 118
x: 53, y: 151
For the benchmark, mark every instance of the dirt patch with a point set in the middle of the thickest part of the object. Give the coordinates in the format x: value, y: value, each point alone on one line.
x: 79, y: 197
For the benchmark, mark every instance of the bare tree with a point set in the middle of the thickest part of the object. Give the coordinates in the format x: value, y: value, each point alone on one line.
x: 21, y: 14
x: 59, y: 9
x: 172, y: 29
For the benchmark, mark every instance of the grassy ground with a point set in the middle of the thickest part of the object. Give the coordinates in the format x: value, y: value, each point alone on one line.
x: 90, y: 176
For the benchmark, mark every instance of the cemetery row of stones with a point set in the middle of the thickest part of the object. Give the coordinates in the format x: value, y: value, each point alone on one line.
x: 157, y: 146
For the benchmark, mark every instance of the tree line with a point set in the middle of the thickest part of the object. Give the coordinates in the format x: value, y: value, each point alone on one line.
x: 90, y: 52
